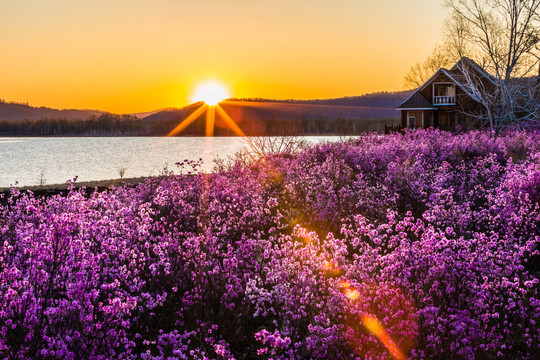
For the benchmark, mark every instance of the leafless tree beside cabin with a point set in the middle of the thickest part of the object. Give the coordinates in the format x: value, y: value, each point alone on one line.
x: 503, y: 103
x: 421, y: 72
x: 503, y: 36
x: 500, y: 35
x: 443, y: 56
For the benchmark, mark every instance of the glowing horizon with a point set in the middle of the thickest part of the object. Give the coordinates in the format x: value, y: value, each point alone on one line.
x: 138, y: 56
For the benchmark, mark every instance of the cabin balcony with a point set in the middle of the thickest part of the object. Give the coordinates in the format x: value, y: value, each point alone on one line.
x: 444, y: 93
x: 444, y: 100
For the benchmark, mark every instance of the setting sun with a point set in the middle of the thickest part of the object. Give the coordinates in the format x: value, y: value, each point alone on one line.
x: 211, y: 92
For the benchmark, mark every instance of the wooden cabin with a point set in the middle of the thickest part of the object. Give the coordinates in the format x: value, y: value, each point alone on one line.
x: 443, y: 100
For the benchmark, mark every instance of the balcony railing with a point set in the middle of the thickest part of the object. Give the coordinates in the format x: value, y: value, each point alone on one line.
x: 444, y: 100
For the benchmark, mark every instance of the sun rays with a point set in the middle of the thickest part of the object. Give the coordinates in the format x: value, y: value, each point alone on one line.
x: 211, y: 111
x: 229, y: 121
x: 187, y: 121
x: 210, y: 119
x: 210, y: 94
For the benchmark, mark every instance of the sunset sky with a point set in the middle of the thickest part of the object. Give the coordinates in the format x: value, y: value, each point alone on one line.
x: 130, y: 56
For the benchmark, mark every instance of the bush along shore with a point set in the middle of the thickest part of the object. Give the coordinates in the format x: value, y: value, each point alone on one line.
x: 59, y: 189
x: 419, y: 245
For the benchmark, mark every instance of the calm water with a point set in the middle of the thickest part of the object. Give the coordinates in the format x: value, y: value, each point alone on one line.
x: 56, y: 160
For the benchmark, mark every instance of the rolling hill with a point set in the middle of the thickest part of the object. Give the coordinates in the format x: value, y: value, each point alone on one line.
x: 369, y: 106
x: 379, y: 99
x: 15, y: 111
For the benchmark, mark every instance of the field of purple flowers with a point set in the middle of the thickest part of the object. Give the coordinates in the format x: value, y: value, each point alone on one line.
x: 420, y: 245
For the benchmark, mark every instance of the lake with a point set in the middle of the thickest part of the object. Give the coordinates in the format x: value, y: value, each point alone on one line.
x: 31, y: 161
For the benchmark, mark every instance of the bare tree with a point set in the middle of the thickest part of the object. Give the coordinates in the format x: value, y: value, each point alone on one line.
x: 453, y: 48
x: 500, y: 103
x: 503, y: 36
x: 285, y: 137
x: 122, y: 171
x: 421, y: 72
x: 456, y: 45
x: 257, y: 148
x: 42, y: 179
x: 260, y: 146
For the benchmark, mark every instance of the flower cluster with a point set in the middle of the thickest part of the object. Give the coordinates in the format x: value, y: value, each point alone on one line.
x: 417, y: 245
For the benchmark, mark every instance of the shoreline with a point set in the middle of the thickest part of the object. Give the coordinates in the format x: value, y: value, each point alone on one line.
x: 55, y: 188
x: 323, y: 134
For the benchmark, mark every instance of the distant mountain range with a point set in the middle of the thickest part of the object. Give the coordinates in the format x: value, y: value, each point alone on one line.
x: 379, y: 99
x: 15, y: 111
x: 369, y: 106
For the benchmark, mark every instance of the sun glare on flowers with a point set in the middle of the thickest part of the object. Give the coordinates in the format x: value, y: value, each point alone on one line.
x: 374, y: 326
x: 351, y: 294
x: 211, y: 92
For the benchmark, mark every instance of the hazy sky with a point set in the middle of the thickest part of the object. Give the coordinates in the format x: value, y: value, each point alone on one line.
x: 141, y: 55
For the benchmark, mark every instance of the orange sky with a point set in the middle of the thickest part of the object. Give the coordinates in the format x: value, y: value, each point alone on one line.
x: 141, y: 55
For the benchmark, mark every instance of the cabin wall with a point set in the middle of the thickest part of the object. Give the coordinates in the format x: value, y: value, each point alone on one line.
x: 447, y: 117
x: 421, y: 117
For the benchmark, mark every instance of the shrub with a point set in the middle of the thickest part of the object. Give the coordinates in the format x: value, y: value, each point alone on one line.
x: 418, y: 245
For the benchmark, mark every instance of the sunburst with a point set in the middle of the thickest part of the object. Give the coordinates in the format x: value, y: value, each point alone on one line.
x: 210, y: 94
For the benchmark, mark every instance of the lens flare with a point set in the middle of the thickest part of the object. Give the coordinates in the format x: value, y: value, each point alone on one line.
x: 374, y: 326
x: 370, y: 322
x: 351, y: 293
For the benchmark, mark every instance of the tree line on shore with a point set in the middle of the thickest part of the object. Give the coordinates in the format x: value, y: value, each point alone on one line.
x: 128, y: 125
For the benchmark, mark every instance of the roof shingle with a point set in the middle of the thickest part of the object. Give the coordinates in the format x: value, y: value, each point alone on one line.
x: 416, y: 101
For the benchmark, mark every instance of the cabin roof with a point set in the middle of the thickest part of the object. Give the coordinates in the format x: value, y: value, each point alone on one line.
x: 416, y: 101
x: 474, y: 65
